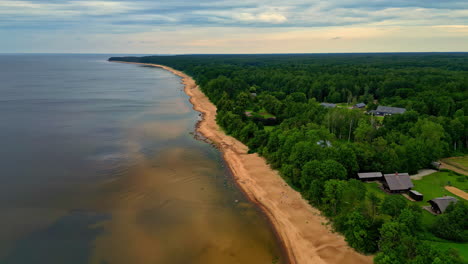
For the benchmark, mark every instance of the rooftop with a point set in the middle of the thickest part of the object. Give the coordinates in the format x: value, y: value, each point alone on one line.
x: 360, y: 105
x: 328, y: 105
x: 443, y: 202
x: 390, y: 109
x: 398, y: 181
x: 364, y: 175
x: 416, y: 192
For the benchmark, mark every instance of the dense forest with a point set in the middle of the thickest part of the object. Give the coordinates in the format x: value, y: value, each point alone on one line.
x: 272, y: 104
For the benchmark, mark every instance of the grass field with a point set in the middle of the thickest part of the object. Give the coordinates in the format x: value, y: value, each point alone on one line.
x: 262, y: 112
x: 432, y: 186
x: 459, y: 162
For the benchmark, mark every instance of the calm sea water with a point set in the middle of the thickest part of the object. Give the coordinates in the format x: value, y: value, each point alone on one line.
x: 98, y: 165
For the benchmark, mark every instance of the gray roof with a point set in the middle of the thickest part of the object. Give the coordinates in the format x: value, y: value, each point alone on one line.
x: 364, y: 175
x: 416, y: 192
x: 390, y: 110
x: 361, y: 105
x: 398, y: 181
x: 328, y: 105
x: 443, y: 202
x: 324, y: 143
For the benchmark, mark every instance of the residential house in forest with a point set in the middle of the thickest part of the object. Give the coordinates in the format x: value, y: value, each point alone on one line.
x: 387, y: 110
x: 397, y: 182
x: 370, y: 176
x: 328, y: 105
x: 440, y: 204
x: 360, y: 105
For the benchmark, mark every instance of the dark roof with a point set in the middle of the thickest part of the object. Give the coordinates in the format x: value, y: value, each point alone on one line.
x: 443, y: 202
x: 364, y: 175
x: 398, y: 181
x: 328, y: 105
x: 360, y: 105
x: 390, y: 110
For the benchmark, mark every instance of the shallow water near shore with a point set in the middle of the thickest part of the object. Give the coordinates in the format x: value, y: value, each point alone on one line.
x: 99, y: 165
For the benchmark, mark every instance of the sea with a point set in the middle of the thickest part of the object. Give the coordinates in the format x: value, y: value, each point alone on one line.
x: 99, y: 163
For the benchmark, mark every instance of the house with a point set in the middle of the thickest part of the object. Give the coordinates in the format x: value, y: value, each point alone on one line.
x: 248, y: 113
x: 370, y: 176
x: 360, y: 105
x: 387, y: 110
x: 324, y: 143
x: 397, y: 182
x: 436, y: 165
x: 253, y: 94
x: 440, y: 204
x: 328, y: 105
x: 415, y: 195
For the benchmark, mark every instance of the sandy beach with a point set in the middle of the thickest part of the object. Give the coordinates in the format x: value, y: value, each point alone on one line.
x: 303, y: 231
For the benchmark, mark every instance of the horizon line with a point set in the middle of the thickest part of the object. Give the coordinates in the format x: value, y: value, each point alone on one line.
x: 188, y: 54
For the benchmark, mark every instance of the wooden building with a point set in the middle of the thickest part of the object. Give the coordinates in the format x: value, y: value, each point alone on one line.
x: 370, y: 176
x: 440, y: 204
x: 328, y: 105
x: 415, y: 195
x: 360, y: 105
x: 387, y: 110
x: 397, y: 182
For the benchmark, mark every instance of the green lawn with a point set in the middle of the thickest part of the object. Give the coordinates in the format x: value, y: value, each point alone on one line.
x: 432, y: 186
x: 373, y: 187
x: 262, y: 112
x: 344, y: 105
x: 462, y: 248
x: 268, y: 128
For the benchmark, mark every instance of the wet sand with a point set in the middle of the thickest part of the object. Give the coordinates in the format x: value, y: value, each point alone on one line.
x: 303, y: 231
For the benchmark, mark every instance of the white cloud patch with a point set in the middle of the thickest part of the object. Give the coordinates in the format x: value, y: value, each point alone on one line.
x: 274, y: 18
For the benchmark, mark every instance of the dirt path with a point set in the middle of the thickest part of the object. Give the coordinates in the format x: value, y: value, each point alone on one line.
x: 457, y: 192
x: 299, y: 226
x: 421, y: 174
x: 444, y: 165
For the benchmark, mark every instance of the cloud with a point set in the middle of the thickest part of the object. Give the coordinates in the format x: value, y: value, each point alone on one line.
x: 274, y: 18
x: 286, y: 19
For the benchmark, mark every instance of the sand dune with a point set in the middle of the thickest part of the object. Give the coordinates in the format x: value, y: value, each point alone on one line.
x: 306, y: 238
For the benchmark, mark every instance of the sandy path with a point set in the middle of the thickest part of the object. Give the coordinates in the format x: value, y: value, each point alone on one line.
x: 421, y: 174
x: 457, y: 192
x: 299, y: 226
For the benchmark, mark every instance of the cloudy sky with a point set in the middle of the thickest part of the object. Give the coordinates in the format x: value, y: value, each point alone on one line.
x: 232, y: 26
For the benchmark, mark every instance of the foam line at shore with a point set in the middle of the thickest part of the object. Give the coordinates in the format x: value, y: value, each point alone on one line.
x: 300, y: 227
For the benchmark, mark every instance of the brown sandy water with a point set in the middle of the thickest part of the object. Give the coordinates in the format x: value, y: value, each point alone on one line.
x: 122, y: 180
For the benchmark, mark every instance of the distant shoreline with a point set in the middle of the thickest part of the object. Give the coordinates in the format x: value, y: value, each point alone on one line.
x: 300, y: 227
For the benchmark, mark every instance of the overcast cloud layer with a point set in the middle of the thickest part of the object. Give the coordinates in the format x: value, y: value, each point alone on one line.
x: 242, y: 26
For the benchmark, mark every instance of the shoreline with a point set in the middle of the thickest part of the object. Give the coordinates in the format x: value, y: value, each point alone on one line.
x: 301, y: 229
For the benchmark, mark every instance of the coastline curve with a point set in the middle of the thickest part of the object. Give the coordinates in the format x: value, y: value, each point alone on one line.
x: 302, y: 231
